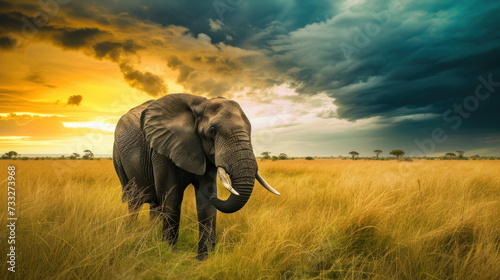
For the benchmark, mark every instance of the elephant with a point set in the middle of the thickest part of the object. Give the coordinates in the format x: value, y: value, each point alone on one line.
x: 164, y: 145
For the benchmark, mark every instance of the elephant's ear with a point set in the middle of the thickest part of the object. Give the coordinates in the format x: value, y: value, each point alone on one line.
x: 169, y: 126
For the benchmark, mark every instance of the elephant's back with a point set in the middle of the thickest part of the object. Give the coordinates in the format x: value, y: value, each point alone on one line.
x: 130, y: 123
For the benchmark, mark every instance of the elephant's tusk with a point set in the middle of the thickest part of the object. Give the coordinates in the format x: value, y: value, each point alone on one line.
x: 225, y: 182
x: 265, y: 184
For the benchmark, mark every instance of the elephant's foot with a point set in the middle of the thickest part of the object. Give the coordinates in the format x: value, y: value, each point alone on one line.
x: 202, y: 256
x: 171, y: 234
x: 204, y: 247
x: 170, y: 238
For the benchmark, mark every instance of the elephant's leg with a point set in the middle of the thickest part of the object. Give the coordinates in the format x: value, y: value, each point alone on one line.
x: 132, y: 195
x: 133, y: 208
x: 171, y: 209
x: 170, y: 183
x: 207, y: 213
x: 154, y: 211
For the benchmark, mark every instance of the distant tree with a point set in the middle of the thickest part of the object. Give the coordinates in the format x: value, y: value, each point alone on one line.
x: 74, y: 156
x: 309, y: 158
x: 265, y: 155
x: 450, y: 155
x: 273, y: 158
x: 88, y: 154
x: 11, y: 154
x: 397, y: 153
x: 377, y: 152
x: 282, y: 156
x: 460, y: 154
x: 354, y: 154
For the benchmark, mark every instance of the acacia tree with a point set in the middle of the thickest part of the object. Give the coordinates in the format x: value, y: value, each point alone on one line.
x: 283, y: 156
x: 377, y: 152
x: 354, y: 154
x: 88, y: 154
x: 450, y: 155
x: 265, y: 155
x: 460, y: 154
x: 397, y: 153
x: 11, y: 154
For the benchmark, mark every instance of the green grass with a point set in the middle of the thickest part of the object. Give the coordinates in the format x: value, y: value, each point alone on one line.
x: 334, y: 220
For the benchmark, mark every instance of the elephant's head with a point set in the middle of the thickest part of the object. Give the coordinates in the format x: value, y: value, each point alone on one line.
x: 191, y: 130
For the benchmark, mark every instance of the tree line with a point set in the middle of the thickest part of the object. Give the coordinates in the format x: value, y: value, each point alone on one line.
x: 87, y: 155
x: 398, y: 154
x: 281, y: 156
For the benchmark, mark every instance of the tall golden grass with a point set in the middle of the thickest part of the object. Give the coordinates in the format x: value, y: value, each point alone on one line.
x: 334, y: 220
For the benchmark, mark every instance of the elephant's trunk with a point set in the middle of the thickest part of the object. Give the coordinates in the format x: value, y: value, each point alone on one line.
x: 242, y: 168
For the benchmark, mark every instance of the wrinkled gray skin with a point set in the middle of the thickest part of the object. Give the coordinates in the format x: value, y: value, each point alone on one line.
x: 164, y: 145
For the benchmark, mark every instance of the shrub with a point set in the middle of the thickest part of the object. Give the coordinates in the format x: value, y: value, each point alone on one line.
x: 282, y: 156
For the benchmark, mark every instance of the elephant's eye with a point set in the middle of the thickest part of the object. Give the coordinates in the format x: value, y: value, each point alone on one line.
x: 212, y: 131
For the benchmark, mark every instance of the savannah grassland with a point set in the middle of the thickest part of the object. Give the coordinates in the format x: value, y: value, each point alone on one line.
x: 335, y: 219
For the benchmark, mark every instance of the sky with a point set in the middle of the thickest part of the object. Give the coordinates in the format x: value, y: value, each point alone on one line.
x: 315, y: 78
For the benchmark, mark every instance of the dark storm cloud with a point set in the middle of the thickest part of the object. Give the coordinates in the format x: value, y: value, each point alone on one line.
x: 118, y: 52
x: 247, y: 22
x: 148, y: 82
x: 17, y: 25
x: 6, y: 43
x: 417, y: 59
x: 184, y: 70
x: 77, y: 38
x: 5, y: 5
x: 11, y: 21
x: 113, y: 50
x: 74, y: 100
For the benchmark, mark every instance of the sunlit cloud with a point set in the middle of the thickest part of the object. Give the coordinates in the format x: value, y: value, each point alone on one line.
x: 11, y: 138
x: 20, y: 114
x: 95, y: 125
